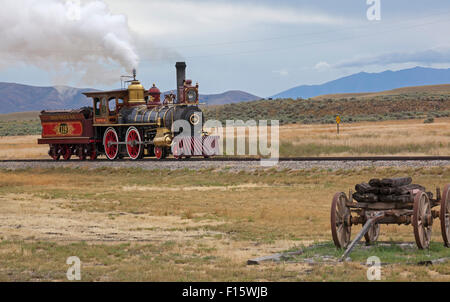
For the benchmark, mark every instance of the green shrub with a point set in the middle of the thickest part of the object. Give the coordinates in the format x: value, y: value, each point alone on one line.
x: 429, y: 120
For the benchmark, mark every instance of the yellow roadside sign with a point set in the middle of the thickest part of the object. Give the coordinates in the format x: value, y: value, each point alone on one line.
x: 338, y: 119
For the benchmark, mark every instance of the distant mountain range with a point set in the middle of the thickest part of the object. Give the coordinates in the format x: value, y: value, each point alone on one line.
x: 20, y: 98
x: 371, y: 82
x: 229, y: 97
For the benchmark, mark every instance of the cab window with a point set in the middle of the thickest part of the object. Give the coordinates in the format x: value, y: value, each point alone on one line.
x: 97, y: 107
x: 104, y: 107
x: 112, y: 106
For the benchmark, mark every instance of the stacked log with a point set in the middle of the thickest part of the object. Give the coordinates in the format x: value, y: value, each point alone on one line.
x: 388, y: 190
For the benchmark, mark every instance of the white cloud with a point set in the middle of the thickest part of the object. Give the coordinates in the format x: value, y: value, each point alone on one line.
x: 322, y: 66
x: 157, y: 17
x: 429, y: 56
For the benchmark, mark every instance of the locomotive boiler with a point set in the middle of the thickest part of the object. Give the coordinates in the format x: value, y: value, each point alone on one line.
x: 132, y: 123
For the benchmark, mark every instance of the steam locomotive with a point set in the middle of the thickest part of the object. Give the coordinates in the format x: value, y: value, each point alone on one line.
x: 131, y: 123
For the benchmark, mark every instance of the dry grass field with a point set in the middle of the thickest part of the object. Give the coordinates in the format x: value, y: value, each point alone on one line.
x: 22, y: 147
x: 405, y: 137
x: 182, y: 225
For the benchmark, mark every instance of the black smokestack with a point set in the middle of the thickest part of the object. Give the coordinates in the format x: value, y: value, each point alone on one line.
x: 181, y: 76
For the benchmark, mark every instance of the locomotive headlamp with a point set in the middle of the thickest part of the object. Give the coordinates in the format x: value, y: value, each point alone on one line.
x: 191, y: 96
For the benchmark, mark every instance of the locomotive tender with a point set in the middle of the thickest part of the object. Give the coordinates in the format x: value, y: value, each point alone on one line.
x: 131, y: 123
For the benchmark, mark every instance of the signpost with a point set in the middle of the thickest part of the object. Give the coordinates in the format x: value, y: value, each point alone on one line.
x: 338, y: 121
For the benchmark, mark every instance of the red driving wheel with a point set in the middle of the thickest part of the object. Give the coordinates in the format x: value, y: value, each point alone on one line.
x: 134, y: 143
x: 159, y: 152
x: 110, y: 140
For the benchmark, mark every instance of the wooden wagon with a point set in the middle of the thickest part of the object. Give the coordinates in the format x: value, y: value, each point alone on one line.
x: 419, y: 211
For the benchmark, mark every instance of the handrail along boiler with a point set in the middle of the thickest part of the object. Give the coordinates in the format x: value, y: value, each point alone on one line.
x: 131, y: 122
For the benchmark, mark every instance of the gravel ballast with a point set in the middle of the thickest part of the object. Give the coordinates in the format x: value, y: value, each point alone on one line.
x: 220, y: 165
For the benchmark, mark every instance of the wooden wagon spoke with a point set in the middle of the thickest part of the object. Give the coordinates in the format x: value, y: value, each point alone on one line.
x: 421, y: 225
x: 445, y: 215
x: 340, y: 215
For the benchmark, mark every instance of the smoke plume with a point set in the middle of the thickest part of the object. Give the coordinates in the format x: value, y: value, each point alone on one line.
x: 77, y: 42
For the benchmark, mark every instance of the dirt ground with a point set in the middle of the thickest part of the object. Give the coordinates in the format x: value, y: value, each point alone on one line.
x: 131, y: 224
x: 203, y: 224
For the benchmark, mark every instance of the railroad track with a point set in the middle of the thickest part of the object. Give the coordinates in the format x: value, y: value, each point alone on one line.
x: 283, y: 159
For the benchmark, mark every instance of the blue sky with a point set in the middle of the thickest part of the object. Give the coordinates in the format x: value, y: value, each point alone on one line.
x: 264, y: 47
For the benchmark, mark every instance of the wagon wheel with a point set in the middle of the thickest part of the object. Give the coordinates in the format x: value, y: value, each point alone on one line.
x: 340, y: 220
x: 372, y: 234
x: 445, y: 215
x: 422, y: 220
x: 66, y: 152
x: 54, y: 152
x: 135, y: 148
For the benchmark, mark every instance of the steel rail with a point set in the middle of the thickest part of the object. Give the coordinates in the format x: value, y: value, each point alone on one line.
x: 250, y: 159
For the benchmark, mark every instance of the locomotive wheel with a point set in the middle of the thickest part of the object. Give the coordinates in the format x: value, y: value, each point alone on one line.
x: 81, y: 152
x: 176, y: 147
x: 134, y: 146
x: 93, y: 152
x: 372, y: 234
x: 151, y: 151
x: 54, y: 152
x: 66, y: 151
x: 445, y: 215
x: 166, y: 152
x: 159, y: 152
x: 340, y: 220
x: 176, y: 154
x: 422, y: 220
x: 110, y: 140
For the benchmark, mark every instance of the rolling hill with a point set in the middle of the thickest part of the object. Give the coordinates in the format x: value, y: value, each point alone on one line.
x: 403, y: 103
x: 364, y: 82
x: 229, y: 97
x: 414, y: 90
x: 19, y: 98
